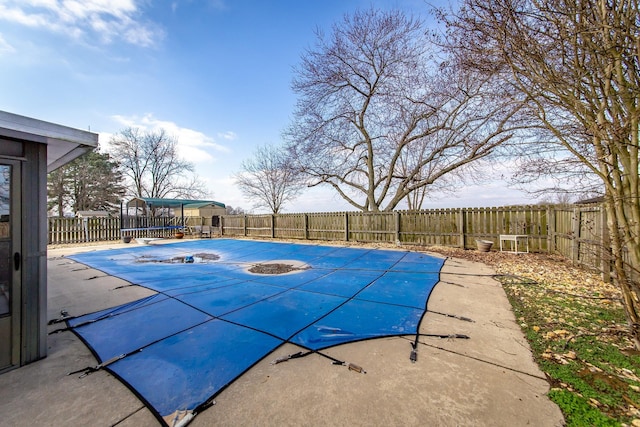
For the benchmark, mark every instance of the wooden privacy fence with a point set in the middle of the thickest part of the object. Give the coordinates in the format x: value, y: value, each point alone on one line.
x: 97, y: 229
x: 576, y: 232
x: 78, y: 230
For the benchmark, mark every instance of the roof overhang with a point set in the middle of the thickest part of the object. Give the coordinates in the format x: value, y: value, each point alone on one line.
x: 63, y: 143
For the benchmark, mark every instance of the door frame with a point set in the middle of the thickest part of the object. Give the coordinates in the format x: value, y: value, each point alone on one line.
x: 13, y: 321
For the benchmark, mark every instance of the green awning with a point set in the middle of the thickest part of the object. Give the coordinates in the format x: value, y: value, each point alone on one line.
x: 171, y: 203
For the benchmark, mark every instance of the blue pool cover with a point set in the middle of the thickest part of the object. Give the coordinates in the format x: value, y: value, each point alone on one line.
x: 213, y: 319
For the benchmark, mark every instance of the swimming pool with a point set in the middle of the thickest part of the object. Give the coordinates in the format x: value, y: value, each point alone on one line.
x: 222, y: 305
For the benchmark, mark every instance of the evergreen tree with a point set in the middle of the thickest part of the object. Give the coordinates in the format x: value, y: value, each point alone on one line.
x: 90, y: 182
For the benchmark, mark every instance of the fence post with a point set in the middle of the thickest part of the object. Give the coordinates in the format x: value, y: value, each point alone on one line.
x: 551, y: 229
x: 575, y: 244
x: 306, y: 227
x: 396, y: 217
x: 346, y: 226
x: 273, y: 226
x: 85, y: 228
x: 244, y: 225
x: 462, y: 226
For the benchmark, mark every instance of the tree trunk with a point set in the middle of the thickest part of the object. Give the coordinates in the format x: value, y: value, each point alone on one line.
x: 624, y: 272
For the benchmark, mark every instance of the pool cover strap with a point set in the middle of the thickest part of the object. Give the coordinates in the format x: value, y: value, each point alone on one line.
x: 91, y: 369
x: 350, y: 366
x: 291, y: 356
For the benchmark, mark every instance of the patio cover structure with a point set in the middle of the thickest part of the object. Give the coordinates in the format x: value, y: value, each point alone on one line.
x: 148, y: 203
x: 147, y: 210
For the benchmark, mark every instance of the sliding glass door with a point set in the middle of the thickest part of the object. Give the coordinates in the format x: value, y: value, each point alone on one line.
x: 10, y: 263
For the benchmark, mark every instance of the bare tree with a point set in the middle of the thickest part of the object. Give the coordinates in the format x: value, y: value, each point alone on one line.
x: 578, y: 64
x: 379, y: 117
x: 234, y: 211
x: 151, y: 163
x: 269, y: 179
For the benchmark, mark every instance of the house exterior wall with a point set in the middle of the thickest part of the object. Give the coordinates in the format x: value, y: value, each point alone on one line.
x: 32, y: 238
x: 34, y: 253
x: 35, y: 147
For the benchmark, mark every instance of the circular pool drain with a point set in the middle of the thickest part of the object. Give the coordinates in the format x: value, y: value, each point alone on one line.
x: 278, y: 267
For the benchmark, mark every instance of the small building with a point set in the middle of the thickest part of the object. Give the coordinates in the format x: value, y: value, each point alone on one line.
x: 204, y: 209
x: 29, y: 149
x: 208, y: 212
x: 598, y: 200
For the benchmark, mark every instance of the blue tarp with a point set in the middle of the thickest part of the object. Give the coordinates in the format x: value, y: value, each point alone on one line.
x: 213, y: 319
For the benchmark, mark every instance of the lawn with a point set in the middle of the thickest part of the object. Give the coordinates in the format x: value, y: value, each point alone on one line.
x: 576, y: 326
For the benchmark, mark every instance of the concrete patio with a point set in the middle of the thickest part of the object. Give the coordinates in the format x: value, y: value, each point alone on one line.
x: 487, y: 380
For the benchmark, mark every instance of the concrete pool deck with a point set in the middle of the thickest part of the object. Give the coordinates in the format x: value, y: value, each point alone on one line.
x: 489, y: 379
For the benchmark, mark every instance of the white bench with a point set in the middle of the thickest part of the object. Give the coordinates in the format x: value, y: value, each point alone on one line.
x: 514, y: 239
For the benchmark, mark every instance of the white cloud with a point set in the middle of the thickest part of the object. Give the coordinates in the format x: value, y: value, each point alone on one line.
x: 228, y: 135
x: 108, y: 20
x: 5, y: 47
x: 103, y: 140
x: 193, y: 145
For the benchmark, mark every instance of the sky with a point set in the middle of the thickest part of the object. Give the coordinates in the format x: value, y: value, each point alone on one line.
x: 215, y: 74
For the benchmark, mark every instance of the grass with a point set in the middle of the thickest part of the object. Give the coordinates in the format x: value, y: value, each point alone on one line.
x: 576, y: 327
x: 579, y: 340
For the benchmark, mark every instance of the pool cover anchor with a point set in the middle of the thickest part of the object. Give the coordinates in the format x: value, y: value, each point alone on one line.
x: 414, y: 352
x: 64, y: 315
x: 355, y: 368
x: 413, y: 356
